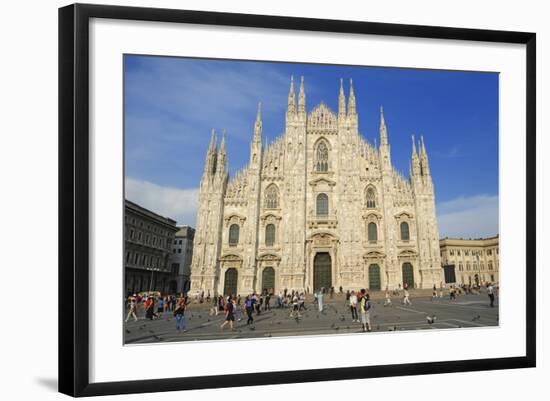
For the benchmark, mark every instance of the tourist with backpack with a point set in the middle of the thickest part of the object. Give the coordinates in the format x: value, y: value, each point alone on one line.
x: 179, y: 314
x: 366, y: 306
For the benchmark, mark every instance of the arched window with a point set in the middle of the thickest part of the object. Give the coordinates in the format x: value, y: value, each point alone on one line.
x: 372, y: 232
x: 272, y: 197
x: 233, y: 234
x: 371, y: 198
x: 405, y: 231
x: 321, y: 163
x: 322, y: 205
x: 270, y: 234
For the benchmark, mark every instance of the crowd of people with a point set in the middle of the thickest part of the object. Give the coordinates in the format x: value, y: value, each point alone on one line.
x: 233, y: 307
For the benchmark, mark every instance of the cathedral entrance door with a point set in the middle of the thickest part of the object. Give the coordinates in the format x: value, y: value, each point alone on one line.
x: 408, y: 275
x: 268, y: 280
x: 322, y: 271
x: 230, y: 282
x: 374, y: 278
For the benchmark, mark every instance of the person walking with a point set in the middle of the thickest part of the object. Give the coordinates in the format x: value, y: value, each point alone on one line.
x: 149, y: 308
x: 132, y: 308
x: 179, y: 314
x: 387, y: 300
x: 366, y: 306
x: 320, y: 299
x: 214, y: 308
x: 229, y: 314
x: 236, y: 310
x: 295, y: 312
x: 160, y: 307
x: 302, y: 302
x: 260, y: 304
x: 434, y: 293
x: 353, y: 307
x: 406, y: 299
x: 491, y: 294
x: 249, y: 305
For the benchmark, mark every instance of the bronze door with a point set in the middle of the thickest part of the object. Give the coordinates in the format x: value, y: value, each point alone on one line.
x: 230, y: 282
x: 374, y: 278
x: 322, y: 271
x: 268, y: 280
x: 408, y: 275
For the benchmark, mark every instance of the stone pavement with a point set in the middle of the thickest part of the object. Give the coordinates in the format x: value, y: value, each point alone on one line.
x: 465, y: 311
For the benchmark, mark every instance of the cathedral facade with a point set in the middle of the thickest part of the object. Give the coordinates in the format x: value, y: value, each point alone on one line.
x: 319, y: 207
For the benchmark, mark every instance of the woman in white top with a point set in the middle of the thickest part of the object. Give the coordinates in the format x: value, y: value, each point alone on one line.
x: 353, y: 307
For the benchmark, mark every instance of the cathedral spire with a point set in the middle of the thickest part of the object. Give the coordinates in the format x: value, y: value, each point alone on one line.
x: 258, y: 125
x: 291, y: 108
x: 221, y: 163
x: 211, y: 155
x: 302, y: 99
x: 424, y: 158
x: 341, y: 101
x: 383, y: 129
x: 415, y: 162
x: 212, y: 145
x: 352, y: 112
x: 423, y: 150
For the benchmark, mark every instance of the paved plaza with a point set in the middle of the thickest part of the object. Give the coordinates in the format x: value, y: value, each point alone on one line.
x: 470, y: 310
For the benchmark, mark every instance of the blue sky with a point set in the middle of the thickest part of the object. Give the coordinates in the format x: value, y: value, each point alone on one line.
x: 171, y: 105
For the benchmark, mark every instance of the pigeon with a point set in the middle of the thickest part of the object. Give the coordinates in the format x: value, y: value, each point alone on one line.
x: 476, y: 318
x: 128, y: 331
x: 342, y: 318
x: 252, y: 328
x: 151, y: 331
x: 431, y: 319
x: 332, y: 326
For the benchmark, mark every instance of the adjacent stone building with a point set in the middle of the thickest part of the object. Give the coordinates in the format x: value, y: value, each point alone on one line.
x: 319, y: 207
x: 470, y: 261
x: 148, y: 246
x: 182, y: 253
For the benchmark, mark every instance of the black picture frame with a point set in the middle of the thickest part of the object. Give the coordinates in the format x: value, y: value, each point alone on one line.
x: 74, y: 198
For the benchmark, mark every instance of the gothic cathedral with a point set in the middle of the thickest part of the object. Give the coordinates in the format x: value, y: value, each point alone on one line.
x: 319, y: 207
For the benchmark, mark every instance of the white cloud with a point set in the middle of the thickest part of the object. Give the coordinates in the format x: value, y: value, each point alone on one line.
x: 468, y: 217
x: 175, y: 203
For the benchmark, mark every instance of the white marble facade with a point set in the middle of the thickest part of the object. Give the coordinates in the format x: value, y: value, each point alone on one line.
x: 318, y: 207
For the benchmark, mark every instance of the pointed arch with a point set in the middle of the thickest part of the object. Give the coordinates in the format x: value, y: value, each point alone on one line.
x: 322, y: 149
x: 271, y: 200
x: 371, y: 200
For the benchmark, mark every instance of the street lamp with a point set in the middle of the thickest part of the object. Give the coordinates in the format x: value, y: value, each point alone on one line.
x: 478, y: 272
